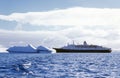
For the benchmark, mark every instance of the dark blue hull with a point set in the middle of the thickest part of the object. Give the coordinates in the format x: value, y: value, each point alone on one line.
x: 80, y: 51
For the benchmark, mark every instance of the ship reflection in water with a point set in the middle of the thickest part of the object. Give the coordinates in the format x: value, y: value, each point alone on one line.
x: 84, y: 48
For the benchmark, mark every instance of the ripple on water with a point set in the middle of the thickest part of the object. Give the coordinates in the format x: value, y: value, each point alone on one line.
x: 60, y: 65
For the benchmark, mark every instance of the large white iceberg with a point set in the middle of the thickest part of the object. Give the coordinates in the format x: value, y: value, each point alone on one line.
x: 22, y: 49
x: 29, y: 49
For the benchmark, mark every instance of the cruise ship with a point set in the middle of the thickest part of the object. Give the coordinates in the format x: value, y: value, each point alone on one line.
x: 83, y: 48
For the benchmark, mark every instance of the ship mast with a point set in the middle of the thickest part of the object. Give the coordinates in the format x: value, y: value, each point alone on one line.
x: 73, y: 42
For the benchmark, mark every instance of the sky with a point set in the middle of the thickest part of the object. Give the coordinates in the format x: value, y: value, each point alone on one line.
x: 54, y: 23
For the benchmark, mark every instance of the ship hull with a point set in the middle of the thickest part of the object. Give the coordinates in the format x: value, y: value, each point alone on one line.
x: 80, y: 51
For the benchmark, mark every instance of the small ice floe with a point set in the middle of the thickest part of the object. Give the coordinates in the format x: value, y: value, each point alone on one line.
x: 27, y: 65
x: 23, y: 68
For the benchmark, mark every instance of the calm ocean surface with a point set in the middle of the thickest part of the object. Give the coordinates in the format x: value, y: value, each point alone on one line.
x: 97, y: 65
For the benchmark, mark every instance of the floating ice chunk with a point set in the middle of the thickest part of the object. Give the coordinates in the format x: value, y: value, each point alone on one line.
x: 26, y: 65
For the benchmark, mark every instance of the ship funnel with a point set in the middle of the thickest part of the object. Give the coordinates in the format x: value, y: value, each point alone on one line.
x: 85, y: 43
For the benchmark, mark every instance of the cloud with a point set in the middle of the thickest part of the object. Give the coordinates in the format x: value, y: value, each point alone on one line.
x: 95, y: 25
x: 46, y: 38
x: 60, y: 38
x: 76, y: 16
x: 19, y: 27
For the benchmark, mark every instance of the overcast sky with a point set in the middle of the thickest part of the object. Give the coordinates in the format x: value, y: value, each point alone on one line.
x: 54, y: 23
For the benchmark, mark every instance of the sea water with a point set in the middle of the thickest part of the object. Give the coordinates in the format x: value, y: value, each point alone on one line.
x: 80, y: 65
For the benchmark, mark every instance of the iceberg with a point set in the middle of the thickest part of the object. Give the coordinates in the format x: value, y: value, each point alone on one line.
x: 22, y: 49
x: 29, y: 49
x: 42, y: 49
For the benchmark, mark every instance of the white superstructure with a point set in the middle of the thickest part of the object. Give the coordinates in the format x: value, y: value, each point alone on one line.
x: 84, y: 46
